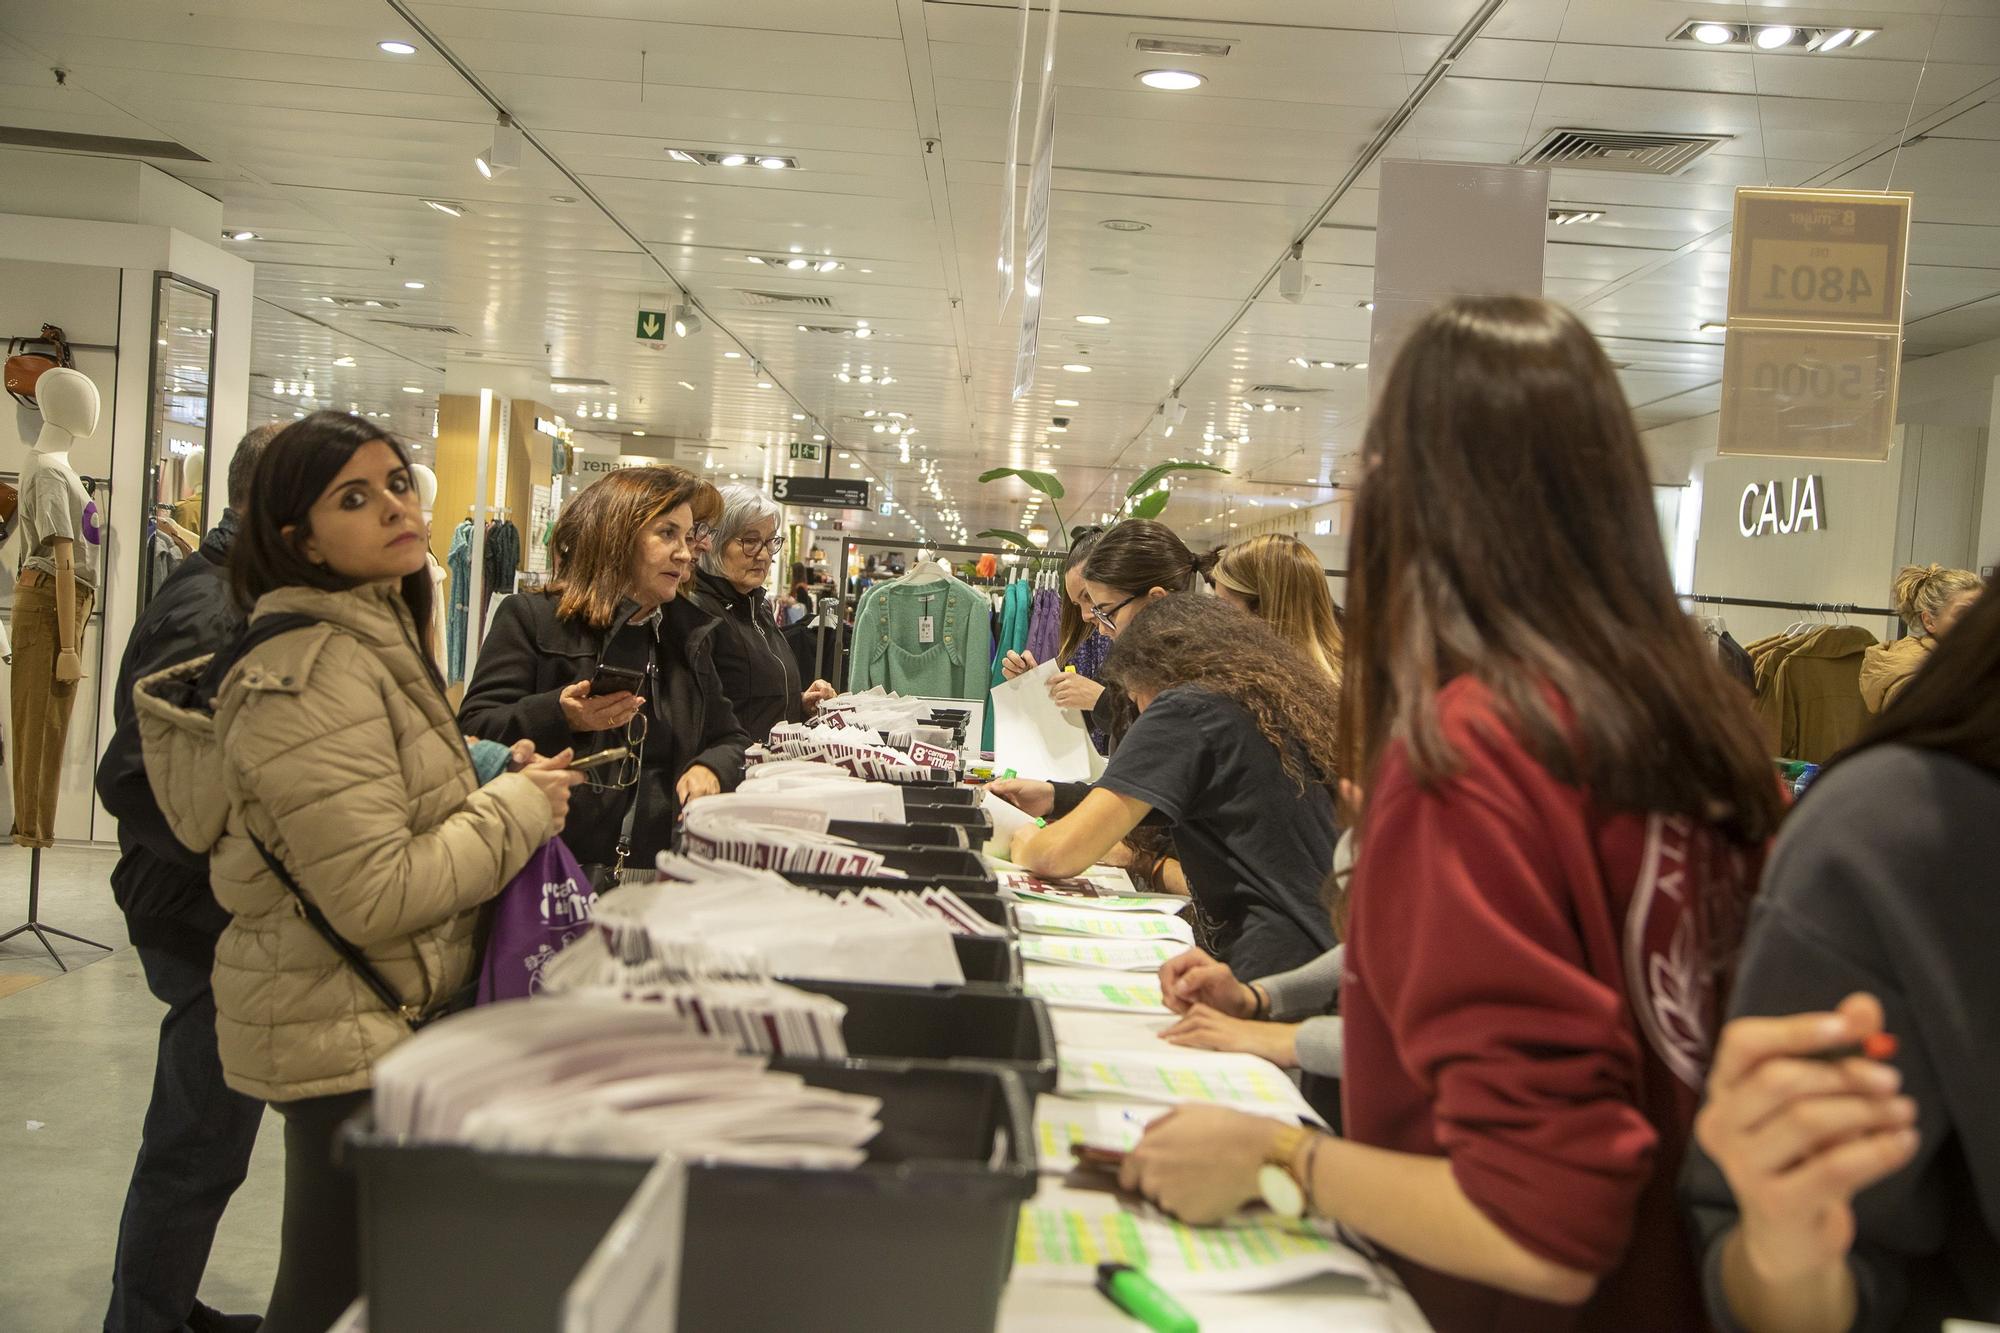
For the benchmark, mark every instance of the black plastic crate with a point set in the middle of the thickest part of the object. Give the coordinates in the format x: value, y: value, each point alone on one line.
x: 925, y: 793
x: 989, y: 959
x: 978, y: 825
x: 877, y: 836
x: 459, y: 1240
x: 967, y: 867
x: 948, y: 1024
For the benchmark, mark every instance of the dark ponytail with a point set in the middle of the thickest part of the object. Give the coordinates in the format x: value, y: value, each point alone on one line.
x: 1139, y: 555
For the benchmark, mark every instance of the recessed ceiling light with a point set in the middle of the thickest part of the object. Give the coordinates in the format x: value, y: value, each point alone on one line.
x: 1774, y: 35
x: 240, y: 235
x: 1711, y: 326
x: 562, y: 198
x: 685, y: 385
x: 763, y: 384
x: 1714, y: 34
x: 1122, y: 224
x: 411, y: 388
x: 1366, y: 305
x: 1569, y: 217
x: 1068, y: 402
x: 638, y: 432
x: 773, y: 163
x: 397, y: 48
x: 1077, y: 368
x: 1093, y: 319
x: 1841, y: 37
x: 414, y: 285
x: 1171, y: 80
x: 446, y: 207
x: 343, y: 361
x: 734, y: 159
x: 732, y: 356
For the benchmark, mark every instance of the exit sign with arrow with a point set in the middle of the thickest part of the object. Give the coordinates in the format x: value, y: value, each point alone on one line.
x: 653, y: 325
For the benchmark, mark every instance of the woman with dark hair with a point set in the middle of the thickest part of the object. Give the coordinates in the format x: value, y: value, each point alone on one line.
x: 625, y: 552
x: 1233, y: 747
x: 1083, y: 648
x: 1566, y: 808
x: 1835, y: 1194
x: 331, y: 772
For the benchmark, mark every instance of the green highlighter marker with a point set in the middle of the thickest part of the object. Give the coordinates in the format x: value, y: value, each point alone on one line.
x: 1139, y: 1296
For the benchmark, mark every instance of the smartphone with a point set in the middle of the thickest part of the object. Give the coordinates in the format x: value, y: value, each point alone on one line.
x: 615, y: 680
x: 600, y: 759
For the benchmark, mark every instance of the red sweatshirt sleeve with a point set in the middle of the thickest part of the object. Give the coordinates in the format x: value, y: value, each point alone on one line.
x: 1473, y: 953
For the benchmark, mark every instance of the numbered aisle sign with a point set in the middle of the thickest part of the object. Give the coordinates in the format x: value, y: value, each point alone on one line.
x: 1813, y: 355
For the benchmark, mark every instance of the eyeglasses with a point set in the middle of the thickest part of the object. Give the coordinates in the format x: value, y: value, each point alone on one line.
x: 700, y: 534
x: 769, y: 547
x: 626, y: 772
x: 1108, y: 618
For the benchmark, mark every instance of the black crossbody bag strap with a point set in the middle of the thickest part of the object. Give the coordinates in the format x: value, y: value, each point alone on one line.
x: 357, y: 960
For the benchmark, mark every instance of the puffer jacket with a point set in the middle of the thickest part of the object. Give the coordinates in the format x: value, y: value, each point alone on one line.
x: 335, y: 746
x: 1887, y: 668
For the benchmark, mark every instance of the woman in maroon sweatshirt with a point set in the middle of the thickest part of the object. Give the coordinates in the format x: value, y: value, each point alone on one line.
x: 1567, y: 807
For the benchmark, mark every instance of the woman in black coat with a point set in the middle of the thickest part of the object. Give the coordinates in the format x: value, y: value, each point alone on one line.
x: 759, y: 672
x: 625, y: 552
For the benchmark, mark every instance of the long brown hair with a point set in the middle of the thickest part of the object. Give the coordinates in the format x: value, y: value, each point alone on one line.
x: 598, y: 534
x: 292, y: 472
x: 1193, y: 639
x: 1075, y: 626
x: 1286, y: 587
x: 1951, y: 705
x: 1505, y: 530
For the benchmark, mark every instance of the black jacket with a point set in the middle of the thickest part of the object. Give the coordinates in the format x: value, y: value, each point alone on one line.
x: 758, y: 672
x: 530, y: 656
x: 1882, y: 881
x: 161, y: 886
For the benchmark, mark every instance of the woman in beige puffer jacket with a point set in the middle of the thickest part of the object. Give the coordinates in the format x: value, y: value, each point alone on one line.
x: 333, y: 747
x: 1930, y: 599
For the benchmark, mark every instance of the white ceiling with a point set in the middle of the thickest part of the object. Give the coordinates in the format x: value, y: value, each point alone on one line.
x: 896, y: 112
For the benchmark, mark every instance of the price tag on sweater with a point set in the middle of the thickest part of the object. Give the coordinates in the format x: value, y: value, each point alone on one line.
x: 926, y: 629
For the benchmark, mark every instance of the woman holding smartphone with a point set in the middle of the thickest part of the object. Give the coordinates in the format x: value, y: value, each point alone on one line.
x: 1566, y: 809
x: 331, y: 773
x: 612, y: 655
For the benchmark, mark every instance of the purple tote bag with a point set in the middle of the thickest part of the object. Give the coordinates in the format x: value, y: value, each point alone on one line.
x: 542, y: 909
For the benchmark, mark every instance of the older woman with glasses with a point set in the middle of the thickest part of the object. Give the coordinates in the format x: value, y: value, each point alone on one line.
x: 611, y: 655
x: 758, y: 671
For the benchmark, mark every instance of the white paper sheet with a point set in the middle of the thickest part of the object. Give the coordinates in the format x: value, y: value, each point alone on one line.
x: 1007, y: 821
x: 1138, y: 957
x: 1035, y: 737
x: 1250, y: 1252
x: 1047, y: 919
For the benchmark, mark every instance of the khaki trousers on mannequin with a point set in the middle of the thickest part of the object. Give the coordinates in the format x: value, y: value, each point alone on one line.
x: 41, y: 708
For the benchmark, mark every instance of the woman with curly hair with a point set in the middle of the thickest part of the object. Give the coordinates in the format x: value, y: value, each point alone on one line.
x: 1236, y: 749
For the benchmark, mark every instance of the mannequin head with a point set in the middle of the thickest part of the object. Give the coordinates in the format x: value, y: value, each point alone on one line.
x: 69, y: 403
x: 427, y: 488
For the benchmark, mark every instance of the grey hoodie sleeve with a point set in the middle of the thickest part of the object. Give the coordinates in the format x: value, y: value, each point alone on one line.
x: 1308, y: 991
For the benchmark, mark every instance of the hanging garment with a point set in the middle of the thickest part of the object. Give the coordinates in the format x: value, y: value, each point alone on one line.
x: 1814, y: 701
x: 929, y: 638
x: 503, y: 556
x: 1736, y: 661
x: 460, y: 559
x: 163, y: 554
x: 1045, y: 625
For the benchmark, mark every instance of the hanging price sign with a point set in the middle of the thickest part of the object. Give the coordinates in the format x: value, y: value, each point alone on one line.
x: 1813, y: 355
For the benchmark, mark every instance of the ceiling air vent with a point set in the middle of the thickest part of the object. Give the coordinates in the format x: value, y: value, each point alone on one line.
x: 786, y: 299
x: 21, y: 136
x: 360, y: 303
x: 1182, y: 46
x: 1270, y: 390
x: 418, y: 326
x: 1635, y: 152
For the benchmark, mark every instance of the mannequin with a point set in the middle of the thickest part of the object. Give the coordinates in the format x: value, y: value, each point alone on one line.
x: 427, y: 494
x: 52, y: 600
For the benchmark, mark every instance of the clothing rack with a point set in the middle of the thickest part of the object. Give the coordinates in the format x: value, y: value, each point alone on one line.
x: 1823, y: 608
x: 851, y: 544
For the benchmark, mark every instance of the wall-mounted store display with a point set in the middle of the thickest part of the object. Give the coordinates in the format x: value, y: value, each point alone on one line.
x: 178, y: 427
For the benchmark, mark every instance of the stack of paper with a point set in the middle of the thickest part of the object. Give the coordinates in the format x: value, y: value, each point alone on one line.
x: 930, y: 904
x: 592, y: 1077
x: 1049, y: 919
x: 861, y: 751
x: 1252, y: 1252
x: 710, y: 831
x: 707, y: 921
x: 1145, y: 956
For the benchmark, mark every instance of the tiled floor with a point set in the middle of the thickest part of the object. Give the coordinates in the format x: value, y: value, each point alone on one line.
x: 76, y: 1067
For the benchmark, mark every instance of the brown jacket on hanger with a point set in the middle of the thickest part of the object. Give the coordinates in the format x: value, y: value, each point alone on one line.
x: 1813, y: 702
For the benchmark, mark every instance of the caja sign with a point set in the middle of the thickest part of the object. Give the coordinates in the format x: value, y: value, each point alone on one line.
x: 1767, y: 509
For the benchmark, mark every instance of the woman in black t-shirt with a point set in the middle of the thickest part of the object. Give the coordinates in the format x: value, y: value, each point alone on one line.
x: 1235, y: 747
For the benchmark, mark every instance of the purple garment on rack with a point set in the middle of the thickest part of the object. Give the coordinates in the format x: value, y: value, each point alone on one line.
x: 1090, y: 655
x: 1045, y: 625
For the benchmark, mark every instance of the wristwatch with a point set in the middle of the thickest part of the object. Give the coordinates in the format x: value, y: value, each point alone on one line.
x: 1282, y: 1191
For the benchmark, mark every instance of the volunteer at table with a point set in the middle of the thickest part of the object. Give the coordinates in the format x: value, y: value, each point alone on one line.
x: 1234, y: 748
x: 1567, y: 807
